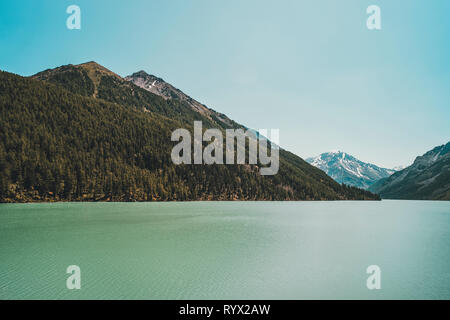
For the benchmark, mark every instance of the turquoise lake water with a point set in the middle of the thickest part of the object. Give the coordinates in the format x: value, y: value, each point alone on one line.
x: 226, y: 250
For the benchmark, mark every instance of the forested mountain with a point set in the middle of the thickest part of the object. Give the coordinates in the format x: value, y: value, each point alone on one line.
x: 428, y: 178
x: 92, y: 80
x: 84, y: 133
x: 345, y: 168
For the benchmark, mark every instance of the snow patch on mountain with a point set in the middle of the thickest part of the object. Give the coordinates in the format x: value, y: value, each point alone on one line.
x: 167, y: 91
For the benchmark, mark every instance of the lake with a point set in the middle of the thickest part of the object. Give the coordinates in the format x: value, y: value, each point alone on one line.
x: 226, y: 250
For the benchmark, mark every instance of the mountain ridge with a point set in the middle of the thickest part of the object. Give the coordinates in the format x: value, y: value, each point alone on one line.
x: 167, y: 91
x: 92, y: 79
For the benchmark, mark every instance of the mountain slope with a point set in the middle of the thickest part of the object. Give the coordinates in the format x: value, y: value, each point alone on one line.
x: 165, y: 90
x: 345, y: 168
x: 60, y: 141
x: 428, y: 178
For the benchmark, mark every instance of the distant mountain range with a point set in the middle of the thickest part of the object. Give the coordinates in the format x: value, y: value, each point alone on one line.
x: 83, y: 133
x: 428, y: 178
x: 346, y: 169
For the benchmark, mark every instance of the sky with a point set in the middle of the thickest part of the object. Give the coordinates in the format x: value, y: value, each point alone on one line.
x: 311, y: 69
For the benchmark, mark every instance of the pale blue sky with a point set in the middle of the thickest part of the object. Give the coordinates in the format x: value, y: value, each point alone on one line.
x: 310, y: 68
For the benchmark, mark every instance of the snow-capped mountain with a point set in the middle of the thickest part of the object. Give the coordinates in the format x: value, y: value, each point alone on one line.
x: 345, y: 168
